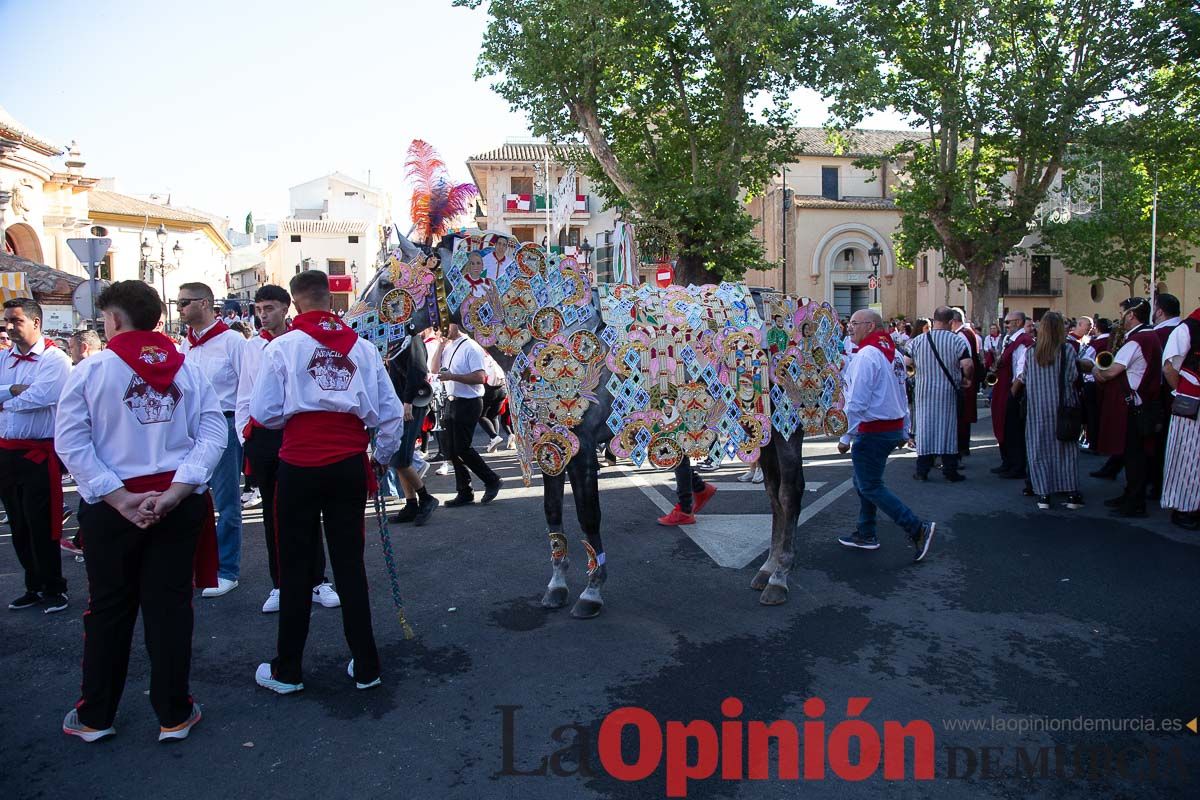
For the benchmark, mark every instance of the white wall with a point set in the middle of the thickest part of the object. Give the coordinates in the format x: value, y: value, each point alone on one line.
x: 322, y: 248
x: 202, y: 260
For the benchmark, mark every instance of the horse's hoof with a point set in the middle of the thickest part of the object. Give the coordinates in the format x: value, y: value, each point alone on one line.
x: 555, y: 598
x: 760, y: 580
x: 774, y: 595
x: 586, y: 609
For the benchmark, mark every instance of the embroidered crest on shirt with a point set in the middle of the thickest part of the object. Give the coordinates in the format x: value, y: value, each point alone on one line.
x: 148, y: 405
x: 330, y: 369
x: 330, y: 325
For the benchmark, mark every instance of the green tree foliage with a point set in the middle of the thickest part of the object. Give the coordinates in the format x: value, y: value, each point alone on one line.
x: 997, y: 90
x: 682, y: 105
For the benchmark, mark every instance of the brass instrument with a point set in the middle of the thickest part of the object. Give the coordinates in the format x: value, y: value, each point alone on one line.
x: 911, y: 369
x: 1115, y: 340
x: 1104, y: 360
x: 991, y: 379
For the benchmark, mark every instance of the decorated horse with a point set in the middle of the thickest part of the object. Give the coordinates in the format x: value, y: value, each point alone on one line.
x: 658, y: 374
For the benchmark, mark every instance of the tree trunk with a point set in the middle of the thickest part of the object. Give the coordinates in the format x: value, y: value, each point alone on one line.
x: 690, y: 269
x: 984, y: 284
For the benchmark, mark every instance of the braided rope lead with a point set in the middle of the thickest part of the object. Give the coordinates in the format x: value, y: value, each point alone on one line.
x: 389, y: 558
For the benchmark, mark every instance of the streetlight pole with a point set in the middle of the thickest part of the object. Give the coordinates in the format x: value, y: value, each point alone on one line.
x: 875, y: 254
x: 586, y: 248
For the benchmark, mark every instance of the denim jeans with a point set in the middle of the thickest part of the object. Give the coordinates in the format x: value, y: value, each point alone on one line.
x: 226, y: 485
x: 869, y: 456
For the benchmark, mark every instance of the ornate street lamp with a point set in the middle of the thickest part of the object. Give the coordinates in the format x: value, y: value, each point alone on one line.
x: 875, y: 254
x: 586, y: 248
x: 147, y: 272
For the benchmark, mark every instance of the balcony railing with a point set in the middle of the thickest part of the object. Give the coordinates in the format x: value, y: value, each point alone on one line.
x: 1023, y: 284
x: 536, y: 204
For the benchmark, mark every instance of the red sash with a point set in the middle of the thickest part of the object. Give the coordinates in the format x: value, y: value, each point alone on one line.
x: 216, y: 330
x: 151, y: 355
x: 319, y: 438
x: 31, y: 356
x: 41, y: 451
x: 204, y: 563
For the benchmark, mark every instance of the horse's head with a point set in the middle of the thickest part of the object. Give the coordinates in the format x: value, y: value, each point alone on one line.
x: 404, y: 297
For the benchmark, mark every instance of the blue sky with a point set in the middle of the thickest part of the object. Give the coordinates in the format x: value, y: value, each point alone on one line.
x: 227, y: 103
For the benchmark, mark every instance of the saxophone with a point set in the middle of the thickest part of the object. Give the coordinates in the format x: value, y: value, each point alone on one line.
x: 1115, y: 340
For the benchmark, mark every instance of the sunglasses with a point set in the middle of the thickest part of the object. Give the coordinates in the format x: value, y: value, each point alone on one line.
x: 184, y: 302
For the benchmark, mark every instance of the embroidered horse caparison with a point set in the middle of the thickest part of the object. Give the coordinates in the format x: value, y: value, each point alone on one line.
x: 661, y: 375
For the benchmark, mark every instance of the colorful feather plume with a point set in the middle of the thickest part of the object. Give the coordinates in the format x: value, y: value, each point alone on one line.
x: 436, y: 199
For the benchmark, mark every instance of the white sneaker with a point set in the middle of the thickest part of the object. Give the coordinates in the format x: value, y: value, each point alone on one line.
x: 71, y: 725
x: 265, y: 679
x: 272, y: 604
x: 182, y: 730
x: 252, y: 499
x: 745, y: 477
x: 512, y: 441
x: 326, y: 596
x: 758, y: 476
x: 445, y: 468
x: 224, y: 586
x: 494, y: 443
x: 357, y: 685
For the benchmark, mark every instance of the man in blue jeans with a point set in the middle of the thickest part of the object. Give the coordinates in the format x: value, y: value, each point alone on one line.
x: 876, y: 410
x: 217, y: 350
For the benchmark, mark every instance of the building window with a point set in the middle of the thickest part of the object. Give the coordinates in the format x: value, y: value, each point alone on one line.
x: 353, y: 240
x: 1038, y: 311
x: 295, y: 237
x: 1039, y: 275
x: 337, y: 268
x: 523, y: 233
x: 105, y: 271
x: 829, y: 183
x: 1097, y: 292
x: 925, y: 269
x: 520, y: 185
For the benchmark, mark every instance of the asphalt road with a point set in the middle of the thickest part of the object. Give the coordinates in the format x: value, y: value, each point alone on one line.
x: 1017, y: 617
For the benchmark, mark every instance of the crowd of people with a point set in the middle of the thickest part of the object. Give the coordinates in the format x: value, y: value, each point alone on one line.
x: 160, y: 436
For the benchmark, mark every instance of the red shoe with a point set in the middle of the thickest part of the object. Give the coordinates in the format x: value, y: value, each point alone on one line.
x: 677, y: 517
x: 70, y: 546
x: 701, y: 498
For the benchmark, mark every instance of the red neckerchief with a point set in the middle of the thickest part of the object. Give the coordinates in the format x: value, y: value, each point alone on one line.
x: 266, y: 334
x: 327, y: 329
x: 880, y: 341
x: 217, y: 329
x: 31, y: 356
x: 151, y: 355
x: 480, y: 281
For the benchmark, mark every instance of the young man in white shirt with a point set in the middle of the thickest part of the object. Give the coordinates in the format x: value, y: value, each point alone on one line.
x: 218, y: 351
x: 32, y: 375
x: 496, y: 262
x: 324, y: 387
x: 261, y: 445
x: 463, y: 372
x: 876, y: 410
x: 141, y: 431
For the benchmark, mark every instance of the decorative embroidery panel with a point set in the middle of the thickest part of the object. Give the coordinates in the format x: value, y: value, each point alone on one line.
x: 803, y: 341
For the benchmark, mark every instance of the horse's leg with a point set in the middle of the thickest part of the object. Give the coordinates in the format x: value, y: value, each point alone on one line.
x: 552, y: 500
x: 787, y: 487
x: 768, y: 462
x: 584, y: 473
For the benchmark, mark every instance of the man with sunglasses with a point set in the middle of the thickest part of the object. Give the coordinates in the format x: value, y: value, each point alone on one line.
x: 218, y: 352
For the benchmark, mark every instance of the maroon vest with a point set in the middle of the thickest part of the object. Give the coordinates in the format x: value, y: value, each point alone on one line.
x: 1004, y: 381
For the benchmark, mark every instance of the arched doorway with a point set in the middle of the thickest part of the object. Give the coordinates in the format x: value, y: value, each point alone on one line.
x: 21, y: 240
x: 841, y: 259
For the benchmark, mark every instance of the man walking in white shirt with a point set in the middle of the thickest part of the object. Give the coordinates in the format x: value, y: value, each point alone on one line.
x: 32, y: 375
x: 463, y: 373
x: 141, y: 431
x: 876, y: 407
x: 218, y: 351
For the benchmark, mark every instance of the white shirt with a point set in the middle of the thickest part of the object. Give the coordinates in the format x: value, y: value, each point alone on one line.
x: 1167, y: 323
x: 252, y: 358
x: 1178, y: 345
x: 495, y: 375
x: 1018, y: 356
x: 1088, y: 352
x: 30, y: 415
x: 1131, y: 356
x: 359, y: 385
x: 463, y: 356
x: 874, y: 390
x: 220, y: 359
x: 111, y: 426
x: 992, y: 344
x: 493, y: 269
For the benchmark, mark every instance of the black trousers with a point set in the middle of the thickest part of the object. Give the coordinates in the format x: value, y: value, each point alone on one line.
x: 949, y: 463
x: 1158, y: 458
x: 1013, y: 451
x: 462, y: 417
x: 130, y: 569
x: 262, y: 451
x: 489, y: 418
x: 25, y: 491
x: 304, y: 496
x: 1091, y: 410
x: 1136, y: 461
x: 687, y: 483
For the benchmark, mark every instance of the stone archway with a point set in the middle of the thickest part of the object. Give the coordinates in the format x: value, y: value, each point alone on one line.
x: 21, y: 240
